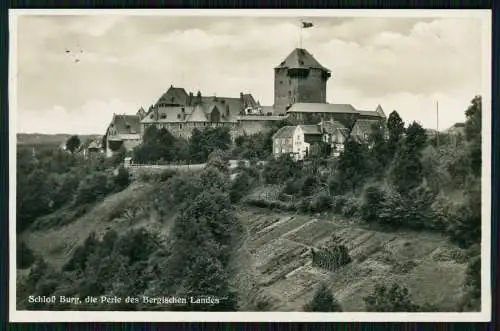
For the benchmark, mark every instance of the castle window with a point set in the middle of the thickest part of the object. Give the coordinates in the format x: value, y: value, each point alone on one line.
x: 180, y: 126
x: 281, y: 82
x: 289, y: 93
x: 163, y: 116
x: 290, y: 81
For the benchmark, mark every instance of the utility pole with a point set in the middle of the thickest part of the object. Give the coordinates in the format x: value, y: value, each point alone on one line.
x: 437, y: 123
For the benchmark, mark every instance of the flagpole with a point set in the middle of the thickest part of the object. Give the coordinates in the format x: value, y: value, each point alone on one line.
x: 300, y: 33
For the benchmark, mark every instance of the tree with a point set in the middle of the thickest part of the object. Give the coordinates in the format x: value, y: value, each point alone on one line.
x: 416, y: 137
x: 122, y: 179
x: 473, y: 134
x: 240, y: 186
x: 323, y: 301
x: 372, y: 203
x: 73, y: 143
x: 393, y: 299
x: 379, y: 149
x: 473, y: 119
x: 396, y: 128
x: 352, y: 165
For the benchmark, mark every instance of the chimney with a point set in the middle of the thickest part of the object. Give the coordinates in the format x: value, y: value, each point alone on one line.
x: 190, y: 98
x: 241, y: 95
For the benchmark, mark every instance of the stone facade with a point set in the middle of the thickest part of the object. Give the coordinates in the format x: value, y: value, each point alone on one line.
x: 300, y: 78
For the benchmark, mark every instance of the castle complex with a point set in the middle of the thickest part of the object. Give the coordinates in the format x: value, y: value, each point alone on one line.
x: 299, y: 93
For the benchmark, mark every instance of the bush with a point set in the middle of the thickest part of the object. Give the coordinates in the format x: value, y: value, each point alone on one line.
x: 338, y: 203
x: 393, y: 299
x: 24, y: 255
x: 372, y: 203
x: 240, y: 187
x: 93, y: 187
x: 122, y: 179
x: 320, y: 203
x: 350, y: 208
x: 323, y: 301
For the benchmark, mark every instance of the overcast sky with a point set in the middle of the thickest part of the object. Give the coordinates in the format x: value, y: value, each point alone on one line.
x: 125, y: 62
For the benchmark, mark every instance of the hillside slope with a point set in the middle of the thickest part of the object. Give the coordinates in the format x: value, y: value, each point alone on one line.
x: 273, y: 262
x: 276, y: 258
x: 57, y: 245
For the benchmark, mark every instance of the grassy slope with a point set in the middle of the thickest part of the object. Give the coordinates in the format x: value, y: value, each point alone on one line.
x: 273, y: 260
x: 56, y: 245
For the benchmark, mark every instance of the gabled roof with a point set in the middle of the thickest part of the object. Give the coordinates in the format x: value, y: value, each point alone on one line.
x: 126, y: 124
x: 285, y: 132
x: 310, y: 129
x: 248, y: 100
x: 303, y: 107
x: 362, y: 126
x: 174, y: 95
x: 333, y: 126
x: 380, y: 111
x: 95, y: 144
x: 168, y: 114
x: 197, y: 115
x: 300, y: 58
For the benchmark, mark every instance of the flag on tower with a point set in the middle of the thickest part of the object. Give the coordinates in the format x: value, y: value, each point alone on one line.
x: 306, y: 25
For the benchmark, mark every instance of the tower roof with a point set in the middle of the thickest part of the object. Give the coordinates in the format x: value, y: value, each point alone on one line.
x: 300, y: 58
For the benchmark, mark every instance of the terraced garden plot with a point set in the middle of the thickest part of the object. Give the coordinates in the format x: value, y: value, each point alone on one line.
x: 280, y: 230
x: 285, y: 266
x: 294, y: 287
x: 271, y: 250
x: 313, y: 233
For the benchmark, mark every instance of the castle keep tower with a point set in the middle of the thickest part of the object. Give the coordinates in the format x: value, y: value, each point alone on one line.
x: 300, y: 78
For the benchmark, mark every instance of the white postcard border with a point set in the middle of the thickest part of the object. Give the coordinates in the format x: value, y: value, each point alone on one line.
x: 101, y: 316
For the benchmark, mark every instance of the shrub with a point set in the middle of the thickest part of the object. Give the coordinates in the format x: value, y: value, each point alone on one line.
x: 323, y: 301
x: 321, y: 202
x: 24, y: 255
x: 350, y: 207
x: 240, y: 187
x: 338, y: 203
x: 93, y: 187
x: 393, y: 299
x: 372, y: 203
x: 122, y: 179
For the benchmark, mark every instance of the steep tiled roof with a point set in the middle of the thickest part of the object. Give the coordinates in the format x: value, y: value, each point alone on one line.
x: 168, y: 114
x: 126, y: 124
x: 284, y: 132
x: 174, y: 95
x: 311, y: 129
x: 333, y: 126
x: 197, y: 115
x: 362, y: 126
x: 303, y: 107
x: 300, y: 58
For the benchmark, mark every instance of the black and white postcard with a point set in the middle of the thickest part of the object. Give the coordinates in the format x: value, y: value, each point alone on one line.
x: 250, y: 165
